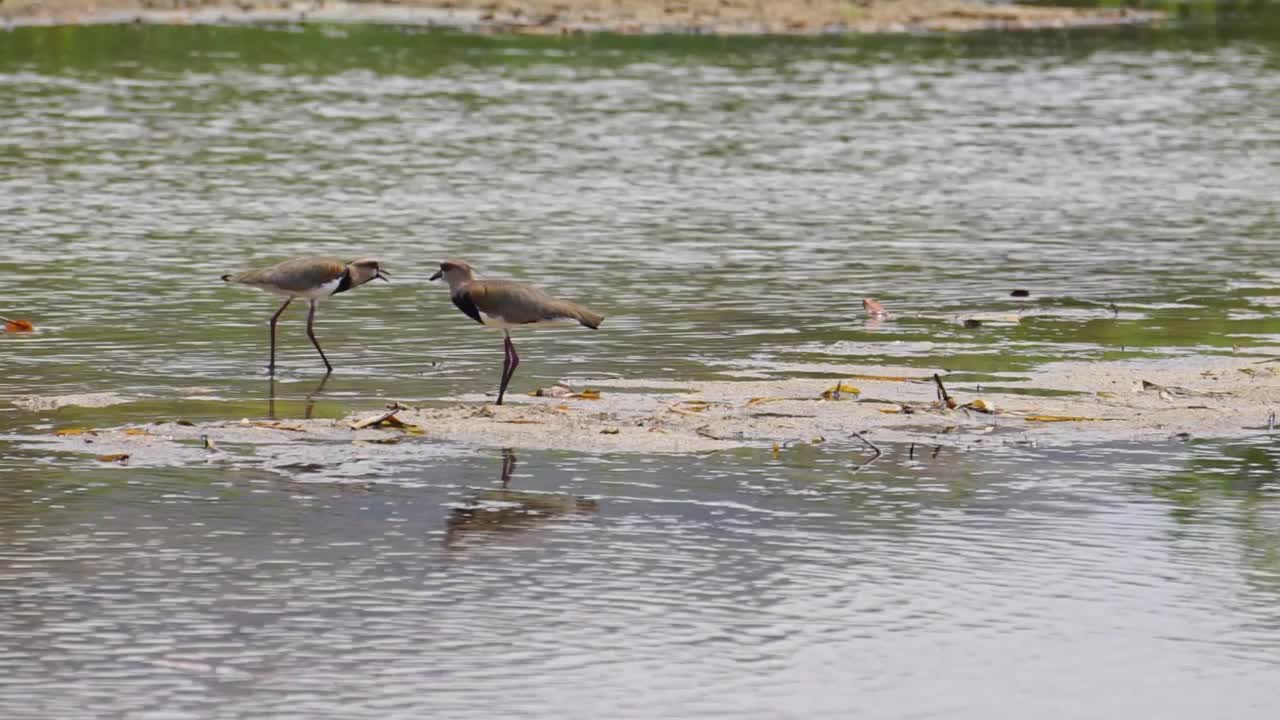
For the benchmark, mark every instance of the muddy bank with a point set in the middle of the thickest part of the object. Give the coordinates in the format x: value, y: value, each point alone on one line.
x: 727, y: 17
x: 1061, y: 404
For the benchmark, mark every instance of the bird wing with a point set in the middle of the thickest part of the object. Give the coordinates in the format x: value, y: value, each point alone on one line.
x: 295, y: 275
x: 518, y: 304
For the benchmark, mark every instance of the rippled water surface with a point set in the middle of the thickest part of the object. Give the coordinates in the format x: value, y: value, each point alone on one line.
x: 727, y: 204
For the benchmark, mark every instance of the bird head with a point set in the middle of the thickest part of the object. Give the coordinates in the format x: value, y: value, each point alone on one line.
x: 454, y: 272
x: 364, y: 270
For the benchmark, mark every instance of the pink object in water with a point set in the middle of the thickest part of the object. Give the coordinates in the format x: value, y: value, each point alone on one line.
x: 875, y: 309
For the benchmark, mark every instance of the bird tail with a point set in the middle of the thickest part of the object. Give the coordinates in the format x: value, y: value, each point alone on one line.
x: 247, y: 277
x: 590, y: 319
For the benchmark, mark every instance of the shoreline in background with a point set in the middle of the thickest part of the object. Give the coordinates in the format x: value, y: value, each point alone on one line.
x: 556, y: 17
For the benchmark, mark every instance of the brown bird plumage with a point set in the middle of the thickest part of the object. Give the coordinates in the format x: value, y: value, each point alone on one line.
x: 312, y: 278
x: 506, y: 304
x: 296, y: 276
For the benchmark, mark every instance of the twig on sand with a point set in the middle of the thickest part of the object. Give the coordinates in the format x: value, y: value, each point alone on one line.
x: 704, y: 432
x: 392, y: 409
x: 877, y: 452
x: 943, y: 396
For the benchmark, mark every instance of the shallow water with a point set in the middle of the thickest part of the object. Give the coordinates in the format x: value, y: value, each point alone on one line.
x: 727, y: 203
x: 1101, y: 581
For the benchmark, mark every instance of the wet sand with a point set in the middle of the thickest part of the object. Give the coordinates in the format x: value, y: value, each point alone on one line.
x: 726, y: 17
x: 1064, y: 403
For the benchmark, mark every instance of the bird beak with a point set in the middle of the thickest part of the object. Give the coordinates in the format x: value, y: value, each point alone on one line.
x: 439, y: 274
x: 381, y: 275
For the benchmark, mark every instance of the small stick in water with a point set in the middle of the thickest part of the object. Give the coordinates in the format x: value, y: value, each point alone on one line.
x: 878, y: 452
x: 942, y: 392
x: 876, y: 456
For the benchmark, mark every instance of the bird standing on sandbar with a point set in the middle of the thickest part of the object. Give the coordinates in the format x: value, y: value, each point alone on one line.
x: 310, y: 277
x: 505, y: 304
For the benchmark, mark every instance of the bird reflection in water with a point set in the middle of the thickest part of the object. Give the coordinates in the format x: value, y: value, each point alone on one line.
x: 489, y: 514
x: 307, y: 410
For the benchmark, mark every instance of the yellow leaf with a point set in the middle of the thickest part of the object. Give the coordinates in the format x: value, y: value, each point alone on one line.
x: 587, y: 395
x: 136, y: 431
x: 981, y: 406
x: 689, y: 407
x: 835, y: 391
x: 114, y: 457
x: 73, y: 431
x: 891, y: 410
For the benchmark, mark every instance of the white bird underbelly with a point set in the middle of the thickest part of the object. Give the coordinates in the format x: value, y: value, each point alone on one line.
x: 498, y: 323
x: 317, y: 292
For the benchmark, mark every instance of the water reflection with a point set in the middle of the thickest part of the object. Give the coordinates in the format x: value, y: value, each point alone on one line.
x: 139, y: 588
x: 308, y: 408
x: 487, y: 514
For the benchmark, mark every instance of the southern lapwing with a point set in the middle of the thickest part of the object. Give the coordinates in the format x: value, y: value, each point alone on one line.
x: 504, y: 304
x: 313, y: 278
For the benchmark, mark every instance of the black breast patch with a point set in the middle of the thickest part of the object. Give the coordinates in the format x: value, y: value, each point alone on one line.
x: 345, y: 283
x: 463, y: 302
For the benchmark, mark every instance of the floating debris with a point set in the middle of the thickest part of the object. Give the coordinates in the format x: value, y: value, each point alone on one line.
x: 555, y: 391
x: 980, y: 405
x: 115, y: 458
x: 875, y: 309
x: 839, y: 390
x: 67, y: 432
x: 16, y: 326
x: 943, y: 397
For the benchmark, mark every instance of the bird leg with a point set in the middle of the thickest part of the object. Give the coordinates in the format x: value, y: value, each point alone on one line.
x: 311, y: 333
x: 509, y: 363
x: 271, y: 368
x: 506, y: 365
